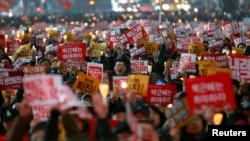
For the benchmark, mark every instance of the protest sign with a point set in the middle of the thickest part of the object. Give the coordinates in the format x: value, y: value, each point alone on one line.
x: 239, y: 65
x: 11, y: 79
x: 34, y: 70
x: 6, y: 67
x: 138, y: 83
x: 75, y: 51
x: 220, y: 58
x: 161, y: 94
x: 204, y: 66
x: 120, y: 84
x: 211, y: 90
x: 151, y: 47
x: 187, y: 62
x: 86, y: 83
x: 40, y: 92
x: 135, y: 33
x: 178, y: 115
x: 23, y: 50
x: 95, y: 70
x: 196, y: 48
x: 139, y: 66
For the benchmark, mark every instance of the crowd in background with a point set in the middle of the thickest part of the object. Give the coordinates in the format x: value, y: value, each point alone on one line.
x: 16, y: 114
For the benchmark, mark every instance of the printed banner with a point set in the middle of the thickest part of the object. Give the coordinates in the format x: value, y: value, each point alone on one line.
x: 221, y: 59
x: 196, y: 48
x: 211, y: 90
x: 6, y: 67
x: 139, y: 66
x: 151, y: 47
x: 135, y: 33
x: 204, y: 66
x: 187, y: 62
x: 178, y: 115
x: 86, y: 83
x: 138, y: 83
x: 34, y: 70
x: 137, y: 51
x: 120, y: 84
x: 23, y: 51
x: 76, y: 51
x: 95, y: 70
x: 40, y: 92
x: 161, y: 94
x: 239, y: 65
x: 11, y: 79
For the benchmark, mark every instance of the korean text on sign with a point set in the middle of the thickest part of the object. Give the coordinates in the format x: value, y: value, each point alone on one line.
x: 76, y: 51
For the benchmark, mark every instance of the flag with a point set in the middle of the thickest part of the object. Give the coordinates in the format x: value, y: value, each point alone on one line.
x: 6, y: 5
x: 65, y: 3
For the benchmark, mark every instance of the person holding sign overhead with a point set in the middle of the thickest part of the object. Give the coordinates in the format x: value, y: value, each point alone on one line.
x: 119, y: 70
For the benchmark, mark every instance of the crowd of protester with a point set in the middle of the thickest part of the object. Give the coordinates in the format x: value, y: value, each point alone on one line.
x: 16, y: 115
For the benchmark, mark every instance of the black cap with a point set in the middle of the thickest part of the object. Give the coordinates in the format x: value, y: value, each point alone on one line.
x: 119, y: 108
x: 142, y: 108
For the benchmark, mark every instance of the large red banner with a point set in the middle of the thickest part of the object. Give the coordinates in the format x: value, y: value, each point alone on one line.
x: 212, y: 90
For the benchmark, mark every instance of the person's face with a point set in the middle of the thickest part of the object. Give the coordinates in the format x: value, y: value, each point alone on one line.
x: 120, y: 68
x: 195, y: 126
x: 155, y: 117
x: 88, y: 99
x: 47, y: 65
x: 147, y: 131
x: 241, y: 46
x: 175, y: 64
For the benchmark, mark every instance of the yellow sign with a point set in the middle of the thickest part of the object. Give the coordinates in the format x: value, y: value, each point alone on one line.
x: 196, y: 48
x: 238, y: 51
x: 138, y: 83
x: 151, y: 47
x: 23, y: 51
x: 204, y: 66
x: 98, y: 46
x: 217, y: 70
x: 86, y: 83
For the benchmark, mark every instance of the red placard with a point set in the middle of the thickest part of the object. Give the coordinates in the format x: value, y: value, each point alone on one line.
x: 135, y: 33
x: 95, y: 70
x: 161, y: 94
x: 76, y: 51
x: 212, y: 90
x: 239, y: 64
x: 12, y: 46
x: 12, y: 79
